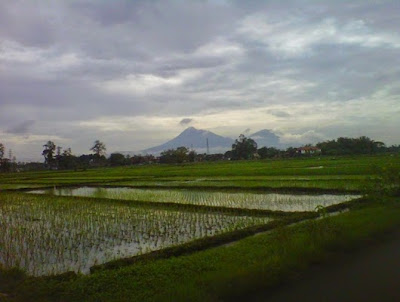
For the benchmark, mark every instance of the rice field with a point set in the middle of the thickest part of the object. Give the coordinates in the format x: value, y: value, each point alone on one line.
x: 46, y: 236
x: 47, y: 232
x: 260, y: 201
x: 18, y: 186
x: 342, y: 185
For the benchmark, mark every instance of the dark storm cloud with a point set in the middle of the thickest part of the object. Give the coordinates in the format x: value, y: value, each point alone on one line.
x: 89, y: 68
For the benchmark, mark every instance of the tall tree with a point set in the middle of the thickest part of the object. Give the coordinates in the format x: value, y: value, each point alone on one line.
x: 99, y: 148
x: 5, y: 165
x: 48, y: 153
x: 244, y: 148
x: 2, y: 150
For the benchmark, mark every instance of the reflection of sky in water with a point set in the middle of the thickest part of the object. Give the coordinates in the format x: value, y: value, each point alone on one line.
x: 266, y: 201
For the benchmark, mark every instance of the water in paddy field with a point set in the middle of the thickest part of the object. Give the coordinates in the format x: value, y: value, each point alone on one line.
x: 51, y: 236
x: 261, y: 201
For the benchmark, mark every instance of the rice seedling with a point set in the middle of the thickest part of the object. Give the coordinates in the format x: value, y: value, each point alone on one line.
x: 265, y: 201
x: 48, y: 235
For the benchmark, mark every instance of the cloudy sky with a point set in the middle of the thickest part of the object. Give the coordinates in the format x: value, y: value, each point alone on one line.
x: 134, y: 74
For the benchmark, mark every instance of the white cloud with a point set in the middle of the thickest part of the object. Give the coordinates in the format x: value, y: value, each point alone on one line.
x: 13, y: 52
x: 308, y: 137
x: 144, y: 83
x: 38, y: 62
x: 129, y: 124
x: 293, y: 37
x: 219, y: 48
x: 301, y: 123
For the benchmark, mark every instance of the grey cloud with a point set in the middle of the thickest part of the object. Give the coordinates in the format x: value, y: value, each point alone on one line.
x: 35, y: 30
x: 68, y: 50
x: 21, y: 128
x: 185, y: 121
x: 278, y: 113
x: 148, y: 28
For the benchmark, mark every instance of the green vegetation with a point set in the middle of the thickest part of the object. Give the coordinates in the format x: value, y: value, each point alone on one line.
x: 179, y: 155
x: 348, y: 183
x: 342, y: 173
x: 266, y: 201
x: 18, y: 186
x: 253, y: 263
x: 361, y: 145
x: 244, y: 148
x: 48, y: 153
x: 47, y: 235
x: 387, y: 182
x: 200, y: 268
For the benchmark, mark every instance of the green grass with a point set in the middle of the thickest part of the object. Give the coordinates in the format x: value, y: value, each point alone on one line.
x: 253, y: 263
x: 340, y: 173
x: 18, y: 186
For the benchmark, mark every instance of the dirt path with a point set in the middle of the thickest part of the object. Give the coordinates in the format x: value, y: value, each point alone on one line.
x: 372, y: 274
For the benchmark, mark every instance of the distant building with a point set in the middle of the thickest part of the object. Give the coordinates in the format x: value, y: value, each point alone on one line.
x: 308, y: 150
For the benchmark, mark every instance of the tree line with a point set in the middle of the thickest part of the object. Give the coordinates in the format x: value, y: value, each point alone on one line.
x: 244, y: 148
x: 55, y: 158
x: 347, y: 146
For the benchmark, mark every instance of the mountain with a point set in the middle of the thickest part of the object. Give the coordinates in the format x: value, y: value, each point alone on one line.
x: 266, y: 138
x: 195, y: 139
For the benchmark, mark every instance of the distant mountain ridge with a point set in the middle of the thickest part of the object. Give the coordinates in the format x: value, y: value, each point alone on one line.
x: 194, y: 139
x: 197, y: 139
x: 266, y: 138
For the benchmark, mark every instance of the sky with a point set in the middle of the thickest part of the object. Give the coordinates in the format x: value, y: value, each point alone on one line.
x: 134, y: 74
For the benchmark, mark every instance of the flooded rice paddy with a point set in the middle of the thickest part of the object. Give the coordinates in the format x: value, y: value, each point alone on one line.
x: 45, y: 236
x: 261, y: 201
x: 48, y: 235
